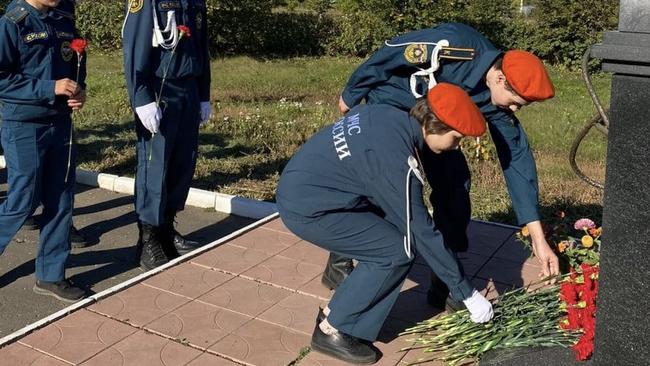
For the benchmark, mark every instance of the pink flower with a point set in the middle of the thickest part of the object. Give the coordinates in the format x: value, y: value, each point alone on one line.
x: 584, y: 224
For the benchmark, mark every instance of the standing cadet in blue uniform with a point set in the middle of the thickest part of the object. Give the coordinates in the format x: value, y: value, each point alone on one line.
x: 38, y: 93
x: 499, y: 84
x: 355, y: 189
x: 167, y: 125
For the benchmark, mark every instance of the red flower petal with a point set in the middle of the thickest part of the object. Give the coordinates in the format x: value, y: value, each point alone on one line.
x: 79, y: 45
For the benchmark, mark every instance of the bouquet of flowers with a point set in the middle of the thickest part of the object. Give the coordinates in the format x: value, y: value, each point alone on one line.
x: 562, y: 314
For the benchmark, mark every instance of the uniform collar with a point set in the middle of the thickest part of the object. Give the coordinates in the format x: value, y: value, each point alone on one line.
x: 478, y: 72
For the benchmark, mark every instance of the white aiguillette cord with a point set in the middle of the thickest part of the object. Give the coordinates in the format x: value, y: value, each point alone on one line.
x: 413, y: 168
x: 158, y: 39
x: 435, y: 64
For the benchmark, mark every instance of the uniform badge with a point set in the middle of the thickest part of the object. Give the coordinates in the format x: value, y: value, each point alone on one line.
x: 416, y: 53
x: 66, y: 51
x: 199, y: 20
x: 135, y: 5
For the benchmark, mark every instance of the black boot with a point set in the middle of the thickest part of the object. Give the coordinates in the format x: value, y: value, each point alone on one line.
x: 77, y: 240
x: 31, y: 223
x: 150, y: 248
x: 174, y: 243
x: 338, y: 268
x: 438, y: 296
x: 342, y: 346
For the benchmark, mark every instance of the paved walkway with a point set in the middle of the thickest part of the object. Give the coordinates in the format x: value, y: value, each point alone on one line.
x: 251, y: 300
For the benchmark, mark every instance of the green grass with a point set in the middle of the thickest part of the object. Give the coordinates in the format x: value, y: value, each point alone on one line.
x: 267, y: 108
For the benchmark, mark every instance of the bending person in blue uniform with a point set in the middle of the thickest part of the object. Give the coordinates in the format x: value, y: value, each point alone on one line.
x: 168, y: 80
x: 355, y: 189
x: 499, y: 84
x: 38, y: 93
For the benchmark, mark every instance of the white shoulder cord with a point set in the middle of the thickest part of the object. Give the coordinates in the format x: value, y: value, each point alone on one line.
x: 158, y: 39
x: 435, y: 64
x: 413, y: 167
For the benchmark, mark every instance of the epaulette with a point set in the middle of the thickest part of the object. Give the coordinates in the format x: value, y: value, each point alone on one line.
x: 455, y: 53
x: 17, y: 14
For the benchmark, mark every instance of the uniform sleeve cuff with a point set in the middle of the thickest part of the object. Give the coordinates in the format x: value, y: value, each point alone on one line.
x: 349, y: 99
x: 47, y: 91
x: 461, y: 291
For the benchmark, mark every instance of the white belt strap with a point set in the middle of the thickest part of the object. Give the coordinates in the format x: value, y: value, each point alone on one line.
x: 413, y: 167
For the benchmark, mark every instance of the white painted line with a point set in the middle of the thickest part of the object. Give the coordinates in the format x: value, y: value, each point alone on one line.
x: 94, y: 298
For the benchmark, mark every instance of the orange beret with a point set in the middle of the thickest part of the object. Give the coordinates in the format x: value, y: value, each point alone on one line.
x: 527, y: 76
x: 453, y: 107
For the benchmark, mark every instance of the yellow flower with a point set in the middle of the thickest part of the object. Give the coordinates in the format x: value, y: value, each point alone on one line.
x: 587, y: 241
x: 561, y: 247
x: 524, y: 231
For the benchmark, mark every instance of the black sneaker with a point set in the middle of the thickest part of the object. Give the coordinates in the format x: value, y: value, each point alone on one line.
x: 343, y: 346
x: 76, y: 239
x: 31, y: 223
x: 63, y: 290
x: 338, y: 268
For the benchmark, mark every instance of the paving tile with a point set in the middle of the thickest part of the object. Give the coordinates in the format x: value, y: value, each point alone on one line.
x: 486, y: 238
x: 315, y: 358
x: 307, y: 252
x: 144, y: 348
x: 471, y: 262
x: 412, y: 307
x: 297, y: 312
x: 513, y: 250
x: 199, y: 324
x: 418, y: 278
x: 488, y: 288
x: 285, y: 272
x: 390, y: 342
x: 78, y: 336
x: 188, y: 279
x: 245, y: 296
x: 211, y: 360
x: 265, y: 240
x: 261, y: 343
x: 510, y: 273
x: 419, y: 354
x: 316, y: 288
x: 17, y: 354
x: 277, y: 225
x: 139, y: 304
x: 231, y: 258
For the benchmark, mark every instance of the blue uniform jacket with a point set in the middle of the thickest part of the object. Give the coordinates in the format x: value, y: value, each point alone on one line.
x: 384, y: 78
x: 143, y: 62
x: 360, y: 162
x: 34, y: 53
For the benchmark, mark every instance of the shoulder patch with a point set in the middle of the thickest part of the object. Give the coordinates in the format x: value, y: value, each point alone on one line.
x: 135, y: 5
x: 17, y: 14
x: 416, y: 53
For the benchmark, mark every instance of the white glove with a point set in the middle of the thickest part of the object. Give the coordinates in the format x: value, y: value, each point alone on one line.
x: 480, y: 309
x: 150, y: 116
x: 206, y: 112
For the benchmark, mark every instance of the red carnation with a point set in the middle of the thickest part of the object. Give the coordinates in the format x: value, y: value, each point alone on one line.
x: 185, y: 31
x: 79, y: 45
x: 568, y: 293
x: 583, y: 349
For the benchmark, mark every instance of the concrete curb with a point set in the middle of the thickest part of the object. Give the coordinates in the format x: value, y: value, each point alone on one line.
x: 197, y: 197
